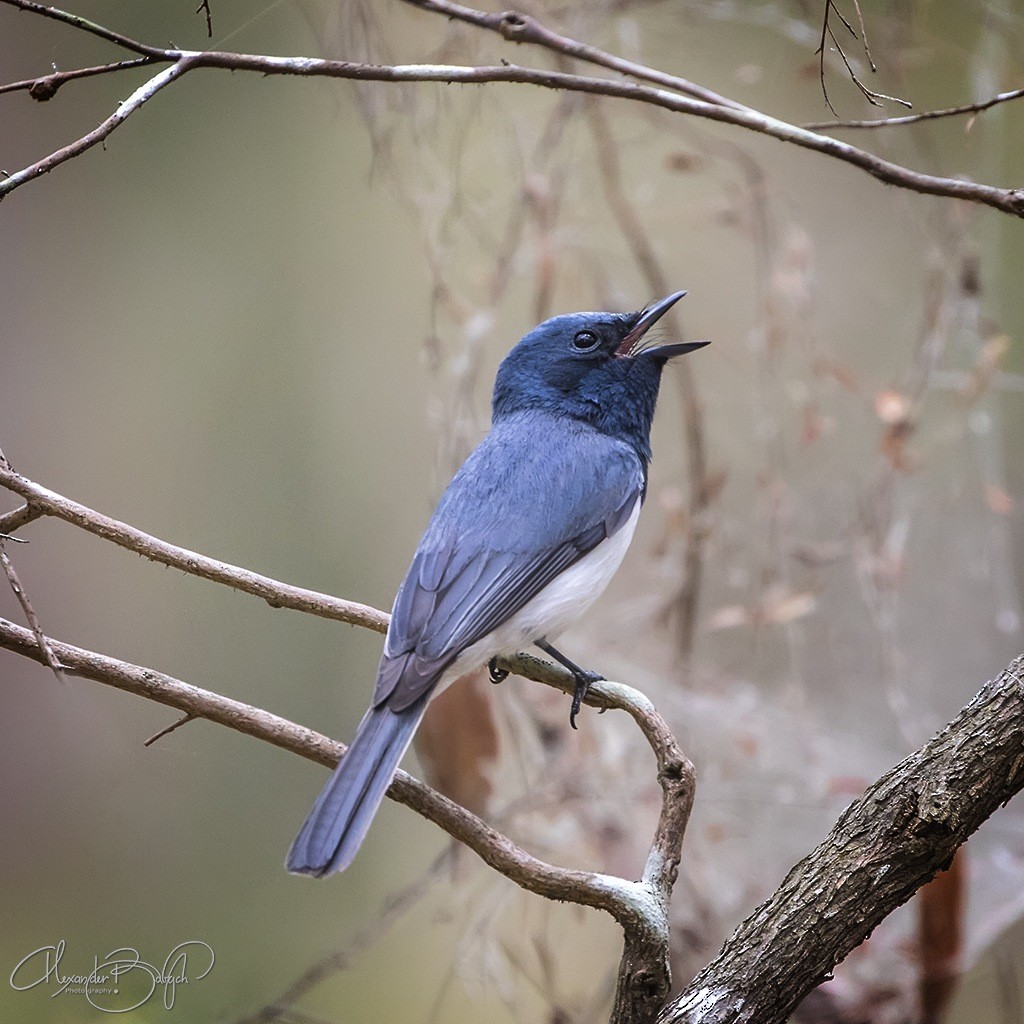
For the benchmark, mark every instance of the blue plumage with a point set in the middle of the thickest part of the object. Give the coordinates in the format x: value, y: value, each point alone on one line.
x: 527, y: 534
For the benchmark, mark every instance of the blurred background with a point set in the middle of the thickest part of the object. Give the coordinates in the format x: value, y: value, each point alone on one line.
x: 263, y: 323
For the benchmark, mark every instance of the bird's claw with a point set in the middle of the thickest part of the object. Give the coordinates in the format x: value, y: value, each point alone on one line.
x: 584, y: 679
x: 497, y: 675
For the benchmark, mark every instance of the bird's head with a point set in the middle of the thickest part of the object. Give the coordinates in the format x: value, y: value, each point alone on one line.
x: 591, y: 366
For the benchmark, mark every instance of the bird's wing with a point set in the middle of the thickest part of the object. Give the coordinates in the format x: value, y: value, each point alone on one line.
x: 515, y: 516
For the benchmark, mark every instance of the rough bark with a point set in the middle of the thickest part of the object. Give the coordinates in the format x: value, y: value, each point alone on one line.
x: 890, y: 842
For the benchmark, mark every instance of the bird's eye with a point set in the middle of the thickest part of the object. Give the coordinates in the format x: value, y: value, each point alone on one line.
x: 585, y: 341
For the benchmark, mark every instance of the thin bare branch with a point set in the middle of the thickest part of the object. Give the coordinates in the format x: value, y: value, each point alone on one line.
x: 873, y: 97
x: 278, y: 595
x: 927, y: 115
x: 84, y: 25
x: 517, y: 27
x: 184, y: 720
x: 863, y: 34
x: 1007, y: 200
x: 204, y: 7
x: 26, y: 606
x: 395, y: 906
x: 45, y: 87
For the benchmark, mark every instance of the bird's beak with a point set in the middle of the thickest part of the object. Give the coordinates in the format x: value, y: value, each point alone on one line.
x: 648, y: 318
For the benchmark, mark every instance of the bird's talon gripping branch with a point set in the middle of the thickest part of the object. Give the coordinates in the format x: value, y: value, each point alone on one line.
x: 496, y: 675
x: 584, y: 679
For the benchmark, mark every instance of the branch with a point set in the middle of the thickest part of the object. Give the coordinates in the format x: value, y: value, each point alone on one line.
x: 885, y: 846
x: 44, y: 502
x: 517, y: 27
x: 84, y: 25
x: 45, y: 88
x: 1007, y: 200
x: 926, y: 115
x: 639, y: 907
x: 124, y: 110
x: 26, y: 606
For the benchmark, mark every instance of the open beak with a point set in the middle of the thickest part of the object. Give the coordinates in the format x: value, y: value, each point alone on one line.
x: 648, y: 318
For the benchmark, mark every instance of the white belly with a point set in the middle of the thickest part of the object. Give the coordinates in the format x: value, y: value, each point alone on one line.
x: 548, y: 614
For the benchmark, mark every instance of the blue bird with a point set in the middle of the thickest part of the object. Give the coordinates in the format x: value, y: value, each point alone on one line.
x: 528, y: 534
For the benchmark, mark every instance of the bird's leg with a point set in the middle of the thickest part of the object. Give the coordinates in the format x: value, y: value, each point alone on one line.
x: 497, y: 675
x: 583, y: 677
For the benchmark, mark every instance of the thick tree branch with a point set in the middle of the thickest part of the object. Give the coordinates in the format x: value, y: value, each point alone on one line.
x: 1007, y: 200
x: 886, y: 845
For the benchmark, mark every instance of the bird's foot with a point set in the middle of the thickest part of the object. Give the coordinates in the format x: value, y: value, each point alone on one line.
x: 583, y: 679
x: 497, y: 675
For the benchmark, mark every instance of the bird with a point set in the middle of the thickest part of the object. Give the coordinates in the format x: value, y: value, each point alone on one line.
x: 525, y: 538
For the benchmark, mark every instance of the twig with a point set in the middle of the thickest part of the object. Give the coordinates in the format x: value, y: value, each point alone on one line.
x: 821, y: 56
x: 395, y: 906
x: 205, y: 7
x: 885, y: 846
x: 1007, y: 200
x: 870, y: 95
x: 26, y: 606
x: 927, y: 115
x: 640, y: 911
x: 44, y: 502
x: 45, y: 87
x: 184, y: 720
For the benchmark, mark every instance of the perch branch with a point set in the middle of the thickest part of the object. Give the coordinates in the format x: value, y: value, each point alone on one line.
x: 885, y: 846
x: 636, y: 906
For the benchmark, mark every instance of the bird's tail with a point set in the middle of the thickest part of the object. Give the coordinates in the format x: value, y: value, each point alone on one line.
x: 337, y: 825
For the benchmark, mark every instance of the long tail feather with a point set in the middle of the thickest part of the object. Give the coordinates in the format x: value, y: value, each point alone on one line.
x: 337, y: 825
